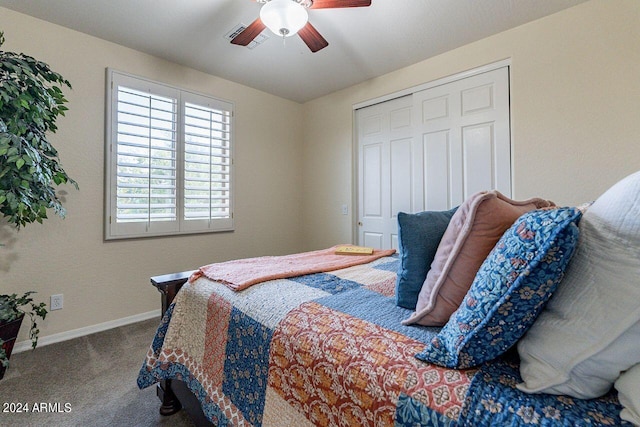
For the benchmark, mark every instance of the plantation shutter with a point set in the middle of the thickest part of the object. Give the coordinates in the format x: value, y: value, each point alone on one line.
x: 207, y: 162
x: 146, y: 157
x: 169, y: 160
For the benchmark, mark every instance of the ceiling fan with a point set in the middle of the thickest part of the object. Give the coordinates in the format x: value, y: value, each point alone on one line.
x: 286, y: 18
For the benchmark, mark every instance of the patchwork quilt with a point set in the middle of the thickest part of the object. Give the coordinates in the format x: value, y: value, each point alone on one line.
x: 328, y: 349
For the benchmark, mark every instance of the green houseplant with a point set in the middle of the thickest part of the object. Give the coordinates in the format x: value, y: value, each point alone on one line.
x: 13, y: 308
x: 31, y: 100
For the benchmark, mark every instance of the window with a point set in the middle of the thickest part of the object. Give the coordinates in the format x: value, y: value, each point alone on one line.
x: 169, y: 160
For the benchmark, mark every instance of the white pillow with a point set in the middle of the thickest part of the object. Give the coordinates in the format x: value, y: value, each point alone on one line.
x: 585, y: 336
x: 628, y: 386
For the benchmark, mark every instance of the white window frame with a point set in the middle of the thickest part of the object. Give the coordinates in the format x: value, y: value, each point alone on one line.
x: 114, y: 229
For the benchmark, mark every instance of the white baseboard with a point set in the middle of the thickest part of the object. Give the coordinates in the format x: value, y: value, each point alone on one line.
x: 87, y: 330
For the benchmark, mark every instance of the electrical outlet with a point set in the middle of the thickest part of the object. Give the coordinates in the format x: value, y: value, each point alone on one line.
x: 56, y: 302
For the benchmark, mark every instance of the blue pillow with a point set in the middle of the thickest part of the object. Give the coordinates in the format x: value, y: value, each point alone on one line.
x: 509, y: 291
x: 419, y: 235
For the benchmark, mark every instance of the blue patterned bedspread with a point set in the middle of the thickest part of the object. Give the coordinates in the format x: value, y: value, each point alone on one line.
x: 328, y: 349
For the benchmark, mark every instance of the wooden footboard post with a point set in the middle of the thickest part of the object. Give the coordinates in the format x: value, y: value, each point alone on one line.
x: 168, y: 285
x: 170, y: 403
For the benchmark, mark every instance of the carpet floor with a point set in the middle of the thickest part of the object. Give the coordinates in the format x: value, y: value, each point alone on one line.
x: 87, y: 381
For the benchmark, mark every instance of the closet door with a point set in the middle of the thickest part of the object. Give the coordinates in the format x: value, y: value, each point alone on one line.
x: 430, y: 151
x: 463, y: 142
x: 385, y: 152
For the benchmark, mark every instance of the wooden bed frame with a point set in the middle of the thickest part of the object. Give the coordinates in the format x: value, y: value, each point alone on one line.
x: 175, y: 394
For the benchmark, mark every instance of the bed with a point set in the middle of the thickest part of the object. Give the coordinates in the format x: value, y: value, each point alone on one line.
x: 329, y: 349
x: 495, y: 313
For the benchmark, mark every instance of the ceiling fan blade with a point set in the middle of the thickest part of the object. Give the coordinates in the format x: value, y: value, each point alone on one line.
x: 312, y: 38
x: 333, y: 4
x: 249, y: 33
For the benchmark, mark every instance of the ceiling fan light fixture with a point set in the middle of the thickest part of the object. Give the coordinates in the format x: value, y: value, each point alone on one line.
x: 284, y: 17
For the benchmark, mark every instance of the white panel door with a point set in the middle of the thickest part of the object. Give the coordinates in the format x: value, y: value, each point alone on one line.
x: 430, y: 151
x: 385, y: 150
x: 463, y: 139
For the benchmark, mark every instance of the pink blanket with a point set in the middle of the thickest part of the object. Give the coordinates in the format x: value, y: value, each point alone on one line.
x: 242, y: 273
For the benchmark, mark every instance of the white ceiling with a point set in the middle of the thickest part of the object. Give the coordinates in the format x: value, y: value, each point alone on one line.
x: 363, y: 42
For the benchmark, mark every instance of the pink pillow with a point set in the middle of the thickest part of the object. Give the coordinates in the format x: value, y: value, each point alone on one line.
x: 474, y: 230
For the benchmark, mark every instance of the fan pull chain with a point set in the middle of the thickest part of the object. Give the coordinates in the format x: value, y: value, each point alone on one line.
x: 284, y: 33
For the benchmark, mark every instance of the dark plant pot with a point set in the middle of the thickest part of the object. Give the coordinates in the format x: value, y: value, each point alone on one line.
x: 8, y: 334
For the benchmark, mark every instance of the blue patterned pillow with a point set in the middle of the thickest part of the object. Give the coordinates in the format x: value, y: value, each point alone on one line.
x: 509, y: 291
x: 419, y: 235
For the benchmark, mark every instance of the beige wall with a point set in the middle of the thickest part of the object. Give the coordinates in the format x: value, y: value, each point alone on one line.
x: 104, y: 281
x: 575, y: 104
